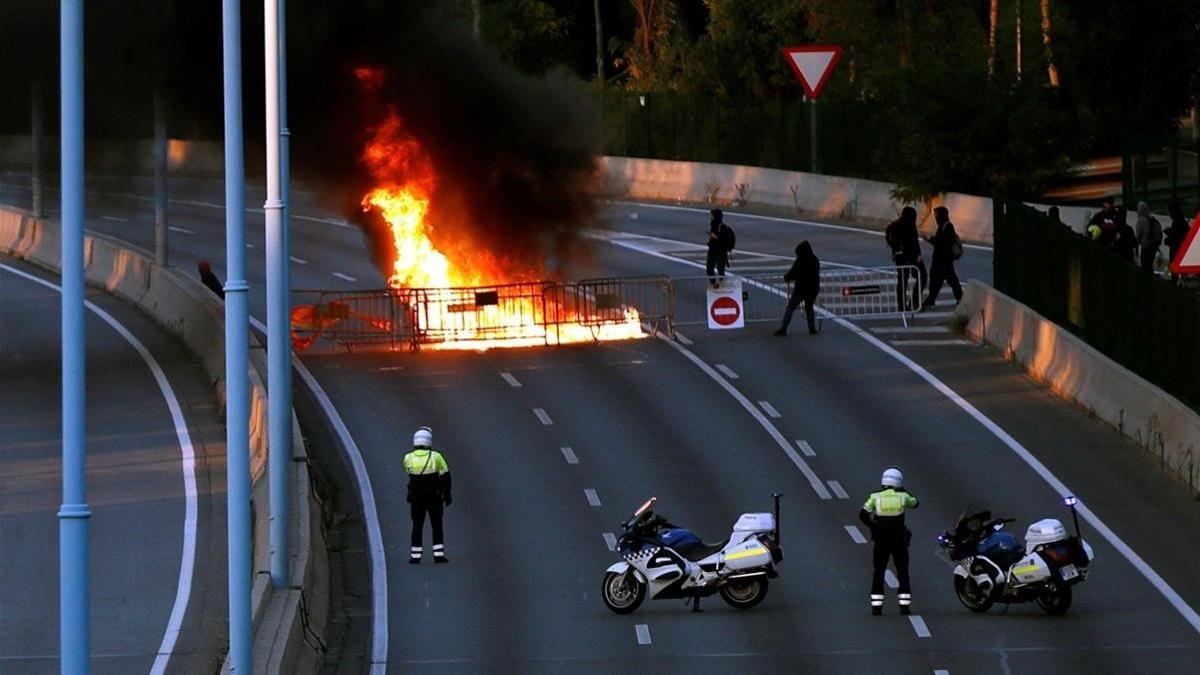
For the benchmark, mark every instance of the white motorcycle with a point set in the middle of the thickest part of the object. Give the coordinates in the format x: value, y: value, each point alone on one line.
x: 993, y: 567
x: 663, y: 561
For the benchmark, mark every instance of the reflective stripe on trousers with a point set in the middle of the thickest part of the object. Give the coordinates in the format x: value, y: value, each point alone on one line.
x: 876, y: 600
x: 905, y: 598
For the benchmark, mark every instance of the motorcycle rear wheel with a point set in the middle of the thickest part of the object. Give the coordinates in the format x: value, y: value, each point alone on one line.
x: 622, y: 593
x: 1056, y: 600
x: 971, y: 596
x: 744, y: 593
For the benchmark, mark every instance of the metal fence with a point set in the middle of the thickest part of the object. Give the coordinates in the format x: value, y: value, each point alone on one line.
x: 1161, y: 170
x: 1143, y: 322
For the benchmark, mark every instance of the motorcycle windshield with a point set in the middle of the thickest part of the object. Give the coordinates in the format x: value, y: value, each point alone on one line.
x: 972, y: 518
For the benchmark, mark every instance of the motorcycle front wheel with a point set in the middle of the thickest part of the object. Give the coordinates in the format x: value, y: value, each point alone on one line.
x: 1056, y: 599
x: 622, y: 593
x: 971, y: 595
x: 744, y: 593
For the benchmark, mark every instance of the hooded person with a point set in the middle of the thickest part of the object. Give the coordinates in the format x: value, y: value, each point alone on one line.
x: 1177, y: 231
x: 805, y: 276
x: 902, y: 237
x: 1149, y: 234
x: 944, y: 241
x: 720, y: 243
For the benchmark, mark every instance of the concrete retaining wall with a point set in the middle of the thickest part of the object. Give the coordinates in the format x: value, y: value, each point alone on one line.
x: 1071, y: 368
x: 196, y: 316
x: 128, y: 156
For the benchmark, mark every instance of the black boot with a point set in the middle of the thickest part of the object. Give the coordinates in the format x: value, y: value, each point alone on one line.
x: 782, y: 332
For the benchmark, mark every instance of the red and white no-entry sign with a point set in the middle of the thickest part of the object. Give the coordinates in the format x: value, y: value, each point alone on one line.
x: 813, y: 64
x: 1187, y: 261
x: 725, y: 305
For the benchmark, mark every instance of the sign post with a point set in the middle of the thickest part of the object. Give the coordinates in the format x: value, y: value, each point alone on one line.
x: 725, y: 305
x: 1187, y: 260
x: 813, y: 64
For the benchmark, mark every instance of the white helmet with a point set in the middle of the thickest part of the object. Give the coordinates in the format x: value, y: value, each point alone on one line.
x: 892, y: 477
x: 423, y: 438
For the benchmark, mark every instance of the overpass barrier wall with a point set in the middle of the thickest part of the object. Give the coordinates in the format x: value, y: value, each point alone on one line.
x: 1159, y: 423
x: 195, y: 315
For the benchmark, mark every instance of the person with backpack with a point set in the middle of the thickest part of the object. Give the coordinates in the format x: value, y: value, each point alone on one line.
x: 1149, y: 233
x: 721, y: 240
x: 901, y: 236
x: 947, y: 248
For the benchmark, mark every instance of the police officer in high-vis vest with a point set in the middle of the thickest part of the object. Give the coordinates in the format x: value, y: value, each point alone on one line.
x: 883, y: 514
x: 428, y: 491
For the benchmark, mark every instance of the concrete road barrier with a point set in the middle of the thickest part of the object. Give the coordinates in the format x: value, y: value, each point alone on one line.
x: 1155, y: 420
x: 193, y: 313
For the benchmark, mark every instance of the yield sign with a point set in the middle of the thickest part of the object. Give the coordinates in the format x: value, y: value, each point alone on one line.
x: 813, y: 64
x: 1187, y: 261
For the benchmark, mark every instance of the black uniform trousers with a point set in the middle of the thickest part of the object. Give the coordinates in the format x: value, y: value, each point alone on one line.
x: 939, y: 273
x: 427, y: 505
x: 717, y: 260
x: 793, y: 302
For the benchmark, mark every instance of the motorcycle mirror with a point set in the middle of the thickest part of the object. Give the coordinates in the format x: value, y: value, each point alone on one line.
x: 645, y: 507
x: 1070, y: 500
x: 998, y: 526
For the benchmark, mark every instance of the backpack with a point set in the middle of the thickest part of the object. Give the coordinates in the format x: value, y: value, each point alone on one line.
x: 730, y: 238
x: 956, y: 247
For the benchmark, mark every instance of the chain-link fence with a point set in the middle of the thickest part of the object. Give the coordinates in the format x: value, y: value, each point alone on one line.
x: 1143, y: 322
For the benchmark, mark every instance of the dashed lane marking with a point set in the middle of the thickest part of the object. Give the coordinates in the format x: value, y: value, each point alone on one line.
x: 683, y: 338
x: 890, y: 579
x: 181, y: 230
x: 543, y: 416
x: 770, y: 409
x: 249, y: 245
x: 928, y: 343
x: 935, y: 315
x: 919, y: 626
x: 806, y: 448
x: 726, y: 371
x: 512, y: 381
x: 855, y: 535
x: 345, y: 277
x: 569, y: 454
x: 643, y: 633
x: 941, y: 671
x: 838, y: 490
x: 298, y: 261
x: 610, y: 540
x: 117, y: 219
x: 909, y: 329
x: 592, y: 497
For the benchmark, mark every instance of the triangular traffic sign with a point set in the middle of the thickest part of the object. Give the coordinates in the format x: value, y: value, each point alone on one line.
x: 1187, y: 260
x: 813, y: 64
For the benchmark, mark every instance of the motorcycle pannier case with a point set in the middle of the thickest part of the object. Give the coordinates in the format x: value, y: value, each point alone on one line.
x: 755, y: 522
x: 1045, y: 531
x: 749, y: 554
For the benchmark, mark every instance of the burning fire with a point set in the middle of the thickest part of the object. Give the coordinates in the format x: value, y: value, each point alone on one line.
x: 405, y: 183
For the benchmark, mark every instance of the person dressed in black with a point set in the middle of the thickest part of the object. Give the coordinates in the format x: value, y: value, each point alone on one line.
x: 1125, y: 244
x: 805, y: 276
x: 902, y: 238
x: 944, y: 241
x: 720, y: 242
x: 1176, y: 232
x: 209, y: 279
x: 1106, y: 220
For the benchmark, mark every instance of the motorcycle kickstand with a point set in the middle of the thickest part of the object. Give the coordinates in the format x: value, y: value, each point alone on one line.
x: 696, y: 604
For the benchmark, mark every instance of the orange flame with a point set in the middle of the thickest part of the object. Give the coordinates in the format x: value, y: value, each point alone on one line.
x: 406, y: 182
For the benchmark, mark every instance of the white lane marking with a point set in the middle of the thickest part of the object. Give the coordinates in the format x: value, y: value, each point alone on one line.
x: 610, y: 540
x: 366, y: 495
x: 249, y: 245
x: 592, y: 497
x: 512, y: 381
x: 543, y: 416
x: 643, y: 633
x: 935, y: 315
x: 1190, y: 615
x: 919, y: 626
x: 909, y: 329
x: 811, y: 475
x: 855, y: 535
x: 770, y: 409
x: 181, y: 230
x: 683, y: 338
x: 118, y: 219
x: 889, y: 577
x: 838, y: 490
x: 755, y: 216
x: 345, y: 277
x: 569, y: 454
x: 187, y: 563
x: 928, y: 343
x: 726, y: 371
x: 941, y: 671
x: 298, y: 261
x: 806, y: 448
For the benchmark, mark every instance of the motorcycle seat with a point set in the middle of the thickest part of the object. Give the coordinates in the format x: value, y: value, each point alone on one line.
x: 698, y: 552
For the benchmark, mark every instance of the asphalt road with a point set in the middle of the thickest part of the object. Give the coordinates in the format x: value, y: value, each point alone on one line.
x: 528, y: 547
x: 136, y: 490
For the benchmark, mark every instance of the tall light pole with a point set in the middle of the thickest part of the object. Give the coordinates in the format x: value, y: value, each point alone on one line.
x: 73, y: 515
x: 279, y: 351
x: 237, y: 347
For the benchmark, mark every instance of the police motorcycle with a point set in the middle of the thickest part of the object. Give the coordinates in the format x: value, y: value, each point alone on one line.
x: 993, y: 567
x: 662, y: 560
